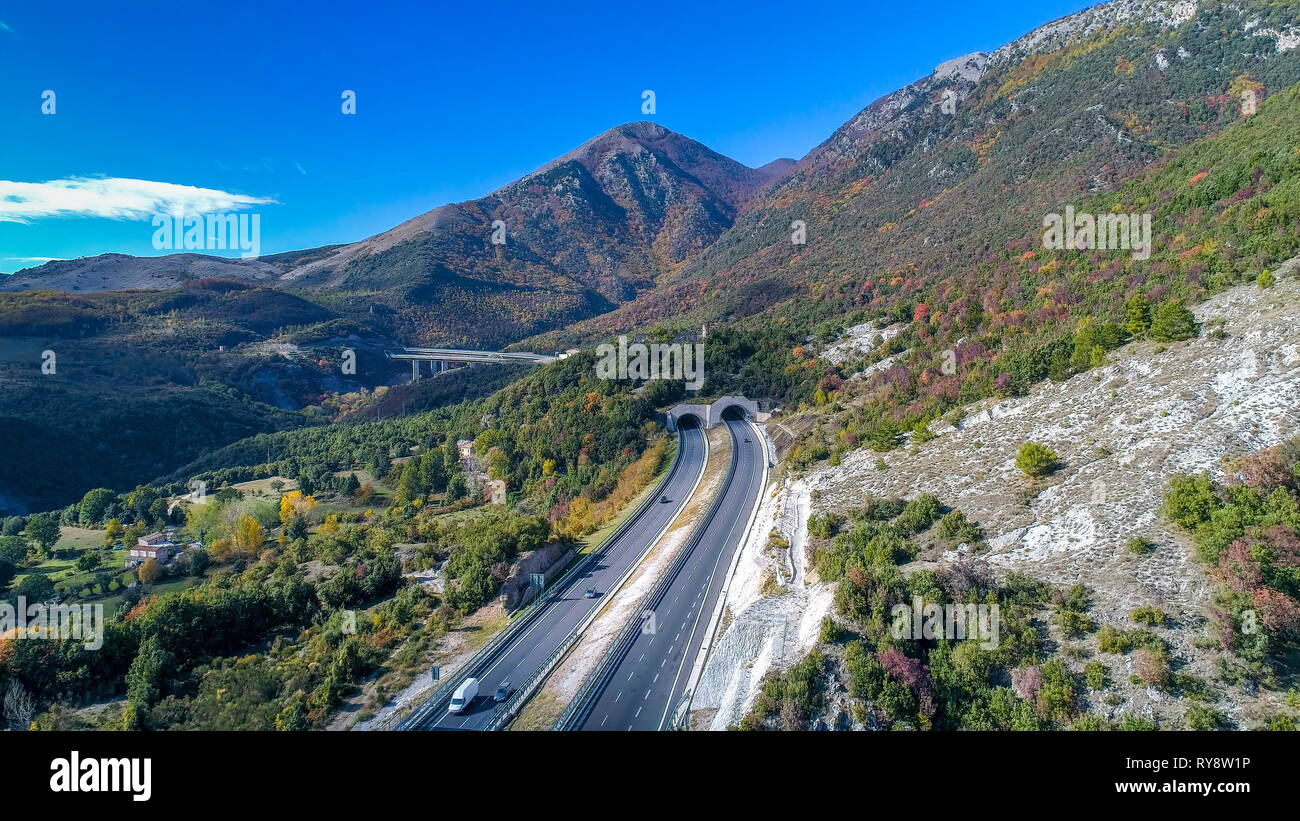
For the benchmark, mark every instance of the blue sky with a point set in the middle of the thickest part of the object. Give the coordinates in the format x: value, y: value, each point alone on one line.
x: 242, y: 99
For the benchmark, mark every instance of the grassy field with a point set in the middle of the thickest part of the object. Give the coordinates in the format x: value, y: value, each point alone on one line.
x: 79, y: 538
x: 342, y: 504
x: 61, y: 570
x: 262, y: 487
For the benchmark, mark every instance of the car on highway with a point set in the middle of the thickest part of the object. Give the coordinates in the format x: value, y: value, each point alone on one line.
x: 663, y: 500
x: 591, y: 593
x: 747, y: 440
x: 502, y: 693
x: 464, y: 696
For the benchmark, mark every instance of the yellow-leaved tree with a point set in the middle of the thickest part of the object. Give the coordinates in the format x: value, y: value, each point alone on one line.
x: 294, y: 503
x: 249, y: 535
x: 149, y: 572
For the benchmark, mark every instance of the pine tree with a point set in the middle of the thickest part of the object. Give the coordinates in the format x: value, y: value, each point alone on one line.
x: 351, y: 484
x: 1173, y: 322
x: 1138, y: 312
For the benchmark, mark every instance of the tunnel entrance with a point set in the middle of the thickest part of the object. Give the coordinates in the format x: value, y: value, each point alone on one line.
x: 689, y: 420
x: 735, y: 413
x: 711, y: 414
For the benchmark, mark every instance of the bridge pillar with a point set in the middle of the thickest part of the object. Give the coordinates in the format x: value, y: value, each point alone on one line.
x: 415, y: 370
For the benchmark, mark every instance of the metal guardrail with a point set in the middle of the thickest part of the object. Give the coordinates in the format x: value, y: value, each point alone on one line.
x: 579, y: 708
x: 492, y: 650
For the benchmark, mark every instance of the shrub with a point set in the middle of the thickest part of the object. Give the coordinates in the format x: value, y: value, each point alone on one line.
x: 1135, y: 724
x: 1139, y: 545
x: 1036, y: 460
x: 1089, y: 722
x: 1111, y: 639
x: 1150, y: 616
x: 1095, y: 675
x: 1204, y: 717
x: 1019, y: 588
x: 1281, y: 723
x: 824, y: 525
x: 1266, y: 279
x: 919, y: 514
x: 1057, y: 697
x: 956, y: 526
x: 1076, y: 597
x: 1191, y: 501
x: 1074, y: 623
x: 830, y: 633
x: 1151, y: 664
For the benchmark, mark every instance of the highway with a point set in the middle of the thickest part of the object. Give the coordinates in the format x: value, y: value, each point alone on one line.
x: 646, y: 687
x: 526, y: 652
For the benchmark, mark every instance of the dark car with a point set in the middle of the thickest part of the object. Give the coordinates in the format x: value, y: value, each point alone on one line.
x: 591, y: 593
x: 663, y: 500
x: 747, y: 440
x: 503, y: 692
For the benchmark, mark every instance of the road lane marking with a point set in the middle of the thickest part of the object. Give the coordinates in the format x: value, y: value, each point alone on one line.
x: 708, y: 582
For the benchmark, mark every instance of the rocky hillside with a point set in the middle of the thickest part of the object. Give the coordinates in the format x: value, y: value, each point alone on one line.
x: 579, y: 236
x: 123, y: 272
x: 1121, y: 431
x: 939, y: 179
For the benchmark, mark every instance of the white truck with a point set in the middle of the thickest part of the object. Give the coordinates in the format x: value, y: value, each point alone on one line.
x: 464, y: 696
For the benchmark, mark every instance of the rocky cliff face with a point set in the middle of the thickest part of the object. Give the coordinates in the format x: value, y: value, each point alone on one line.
x: 1121, y: 430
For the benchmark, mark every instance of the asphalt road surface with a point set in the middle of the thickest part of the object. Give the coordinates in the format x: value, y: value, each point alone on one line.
x: 527, y: 652
x: 648, y: 685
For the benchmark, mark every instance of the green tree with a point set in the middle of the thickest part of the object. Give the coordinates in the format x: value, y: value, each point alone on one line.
x: 409, y: 486
x: 1173, y: 322
x: 145, y: 677
x: 36, y: 587
x: 1138, y: 315
x: 94, y: 504
x: 43, y: 530
x: 13, y: 549
x: 1086, y: 337
x: 351, y: 484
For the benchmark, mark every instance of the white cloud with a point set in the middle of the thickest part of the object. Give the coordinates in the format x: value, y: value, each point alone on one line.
x: 112, y: 198
x: 35, y: 259
x: 5, y: 26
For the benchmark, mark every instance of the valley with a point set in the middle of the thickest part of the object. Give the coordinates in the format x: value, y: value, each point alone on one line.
x: 1016, y: 341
